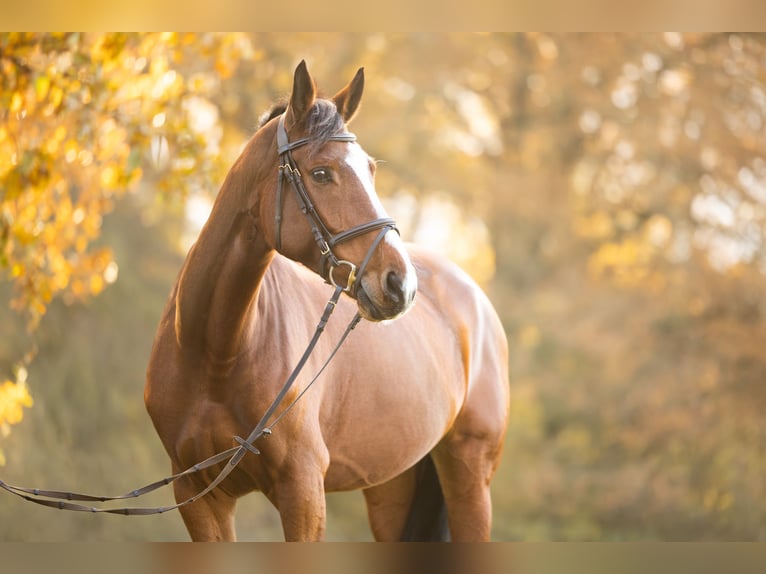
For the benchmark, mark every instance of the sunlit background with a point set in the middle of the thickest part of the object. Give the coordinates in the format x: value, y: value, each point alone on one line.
x: 608, y: 191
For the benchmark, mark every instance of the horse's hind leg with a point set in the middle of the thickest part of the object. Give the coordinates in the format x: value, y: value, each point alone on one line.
x: 465, y: 465
x: 466, y: 460
x: 388, y: 506
x: 410, y: 507
x: 209, y: 519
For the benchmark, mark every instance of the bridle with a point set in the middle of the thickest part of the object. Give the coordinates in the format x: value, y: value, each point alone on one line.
x: 66, y: 500
x: 324, y: 238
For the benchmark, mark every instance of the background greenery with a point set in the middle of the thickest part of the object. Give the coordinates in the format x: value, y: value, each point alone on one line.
x: 608, y: 191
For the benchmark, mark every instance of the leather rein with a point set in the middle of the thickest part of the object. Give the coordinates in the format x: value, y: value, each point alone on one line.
x: 326, y: 240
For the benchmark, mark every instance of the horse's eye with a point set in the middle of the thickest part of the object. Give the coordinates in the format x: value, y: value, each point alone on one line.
x: 321, y: 175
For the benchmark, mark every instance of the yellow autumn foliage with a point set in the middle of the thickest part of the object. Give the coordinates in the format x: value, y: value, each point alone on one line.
x: 619, y: 181
x: 13, y: 398
x: 77, y: 126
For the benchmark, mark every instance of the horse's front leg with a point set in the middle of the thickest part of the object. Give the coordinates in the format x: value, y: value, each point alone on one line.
x: 302, y: 509
x: 299, y: 496
x: 209, y: 519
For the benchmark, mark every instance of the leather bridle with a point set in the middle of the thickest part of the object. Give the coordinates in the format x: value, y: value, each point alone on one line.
x: 67, y: 500
x: 324, y: 238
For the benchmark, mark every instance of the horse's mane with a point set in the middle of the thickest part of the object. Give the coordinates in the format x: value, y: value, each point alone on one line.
x: 324, y: 121
x: 276, y: 110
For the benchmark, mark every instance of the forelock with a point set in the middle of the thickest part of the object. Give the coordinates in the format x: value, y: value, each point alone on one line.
x: 323, y: 122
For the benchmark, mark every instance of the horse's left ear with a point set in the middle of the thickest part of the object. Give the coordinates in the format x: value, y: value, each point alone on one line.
x: 347, y: 100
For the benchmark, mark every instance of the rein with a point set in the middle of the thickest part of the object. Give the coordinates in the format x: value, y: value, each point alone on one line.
x: 64, y: 500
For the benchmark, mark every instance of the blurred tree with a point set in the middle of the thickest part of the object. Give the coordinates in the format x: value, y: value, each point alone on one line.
x: 82, y: 116
x: 632, y: 265
x: 606, y: 189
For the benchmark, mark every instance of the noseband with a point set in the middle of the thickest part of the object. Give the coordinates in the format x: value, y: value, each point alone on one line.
x: 325, y: 239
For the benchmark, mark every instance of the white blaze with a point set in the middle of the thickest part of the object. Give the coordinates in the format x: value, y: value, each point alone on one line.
x: 358, y: 160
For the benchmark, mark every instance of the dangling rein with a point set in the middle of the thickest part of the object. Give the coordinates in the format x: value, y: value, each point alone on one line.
x: 63, y: 500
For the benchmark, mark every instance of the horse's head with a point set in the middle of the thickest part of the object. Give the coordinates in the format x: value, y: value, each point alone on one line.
x: 318, y: 204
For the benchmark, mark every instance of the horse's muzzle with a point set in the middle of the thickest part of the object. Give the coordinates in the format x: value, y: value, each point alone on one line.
x: 391, y: 299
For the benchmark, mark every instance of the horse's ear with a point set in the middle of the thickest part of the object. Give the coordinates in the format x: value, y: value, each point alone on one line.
x: 303, y: 95
x: 347, y: 100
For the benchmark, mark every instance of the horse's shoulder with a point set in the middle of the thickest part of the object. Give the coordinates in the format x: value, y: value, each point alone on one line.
x: 288, y: 274
x: 289, y: 282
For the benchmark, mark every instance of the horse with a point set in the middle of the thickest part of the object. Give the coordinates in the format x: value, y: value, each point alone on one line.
x: 413, y: 409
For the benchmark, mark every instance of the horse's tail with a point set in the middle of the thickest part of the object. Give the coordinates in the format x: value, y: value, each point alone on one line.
x: 427, y: 520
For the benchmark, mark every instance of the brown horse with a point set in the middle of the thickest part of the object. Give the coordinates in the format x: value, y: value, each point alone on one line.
x: 403, y: 402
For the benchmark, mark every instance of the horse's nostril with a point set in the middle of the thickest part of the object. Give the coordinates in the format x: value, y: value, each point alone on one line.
x: 394, y: 286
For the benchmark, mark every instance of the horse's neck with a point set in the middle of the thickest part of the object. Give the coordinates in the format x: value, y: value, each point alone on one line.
x: 220, y: 279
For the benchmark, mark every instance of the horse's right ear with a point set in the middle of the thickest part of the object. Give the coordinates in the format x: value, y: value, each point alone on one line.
x: 302, y: 96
